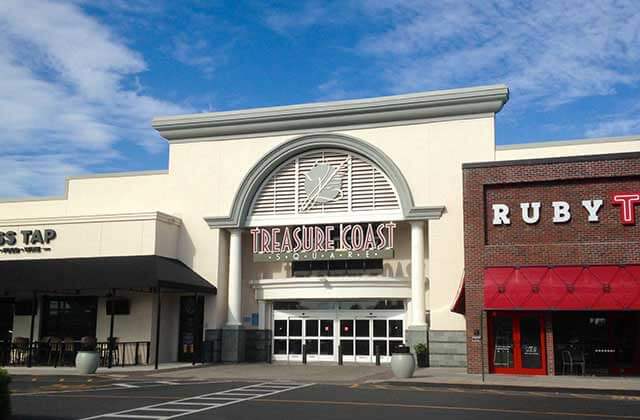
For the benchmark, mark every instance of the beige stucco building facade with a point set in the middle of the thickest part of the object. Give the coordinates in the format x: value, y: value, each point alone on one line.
x: 389, y: 160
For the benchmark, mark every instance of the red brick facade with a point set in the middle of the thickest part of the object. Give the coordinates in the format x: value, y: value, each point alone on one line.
x: 576, y: 242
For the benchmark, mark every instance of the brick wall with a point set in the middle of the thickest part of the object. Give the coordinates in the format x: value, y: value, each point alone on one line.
x: 576, y: 242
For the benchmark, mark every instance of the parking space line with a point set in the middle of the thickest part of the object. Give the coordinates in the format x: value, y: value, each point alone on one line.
x: 230, y: 396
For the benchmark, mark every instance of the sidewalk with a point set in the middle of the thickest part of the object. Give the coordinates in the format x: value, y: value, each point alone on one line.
x: 72, y: 371
x: 458, y: 377
x: 317, y: 372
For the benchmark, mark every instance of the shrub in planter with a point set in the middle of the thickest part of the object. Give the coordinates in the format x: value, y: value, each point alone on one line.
x: 421, y: 355
x: 5, y: 402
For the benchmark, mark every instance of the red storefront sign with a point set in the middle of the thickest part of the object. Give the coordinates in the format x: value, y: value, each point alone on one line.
x: 597, y: 287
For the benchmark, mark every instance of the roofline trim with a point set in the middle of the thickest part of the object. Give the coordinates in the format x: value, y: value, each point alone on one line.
x: 98, y: 218
x: 550, y: 161
x: 331, y: 115
x: 570, y: 142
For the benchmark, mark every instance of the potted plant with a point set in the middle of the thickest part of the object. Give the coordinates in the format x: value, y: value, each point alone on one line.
x: 402, y: 362
x: 88, y: 358
x: 421, y: 355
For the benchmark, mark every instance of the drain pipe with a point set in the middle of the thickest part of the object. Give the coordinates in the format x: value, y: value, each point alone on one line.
x: 482, y: 342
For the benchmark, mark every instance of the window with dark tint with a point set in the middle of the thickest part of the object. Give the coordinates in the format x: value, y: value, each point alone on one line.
x: 379, y: 327
x: 326, y: 327
x: 311, y: 346
x: 371, y: 304
x: 326, y: 347
x: 295, y: 346
x: 381, y: 346
x: 346, y: 328
x: 69, y: 316
x: 531, y: 351
x: 295, y: 327
x: 395, y: 328
x: 347, y: 347
x: 336, y: 268
x: 362, y: 328
x: 279, y: 346
x: 311, y: 326
x: 302, y: 305
x: 280, y: 328
x: 362, y: 347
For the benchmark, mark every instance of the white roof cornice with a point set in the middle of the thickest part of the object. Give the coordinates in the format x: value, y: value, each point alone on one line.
x: 381, y: 111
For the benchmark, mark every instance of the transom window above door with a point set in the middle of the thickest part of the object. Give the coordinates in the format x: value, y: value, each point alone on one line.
x: 325, y: 182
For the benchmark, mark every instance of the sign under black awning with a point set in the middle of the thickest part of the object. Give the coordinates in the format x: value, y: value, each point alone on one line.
x: 127, y: 272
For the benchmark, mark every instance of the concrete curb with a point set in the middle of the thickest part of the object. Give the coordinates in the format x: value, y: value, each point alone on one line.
x: 524, y: 388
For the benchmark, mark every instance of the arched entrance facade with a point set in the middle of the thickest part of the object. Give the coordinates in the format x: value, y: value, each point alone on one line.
x: 324, y: 231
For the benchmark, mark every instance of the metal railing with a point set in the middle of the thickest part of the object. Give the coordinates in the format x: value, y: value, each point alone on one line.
x: 45, y: 353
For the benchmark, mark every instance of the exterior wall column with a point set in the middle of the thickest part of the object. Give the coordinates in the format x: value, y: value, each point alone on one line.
x: 233, y: 335
x: 418, y: 308
x: 416, y: 332
x: 234, y: 308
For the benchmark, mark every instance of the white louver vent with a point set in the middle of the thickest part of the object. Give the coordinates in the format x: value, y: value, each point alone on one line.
x: 325, y: 182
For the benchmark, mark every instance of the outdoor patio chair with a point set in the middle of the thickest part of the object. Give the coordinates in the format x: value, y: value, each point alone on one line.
x: 43, y: 349
x: 571, y: 360
x: 55, y: 350
x: 20, y: 350
x: 115, y: 352
x: 68, y: 351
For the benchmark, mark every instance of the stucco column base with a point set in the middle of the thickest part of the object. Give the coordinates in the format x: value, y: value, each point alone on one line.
x: 416, y: 334
x: 233, y: 344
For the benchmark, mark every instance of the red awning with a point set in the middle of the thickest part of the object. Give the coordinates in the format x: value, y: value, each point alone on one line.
x: 596, y: 287
x: 459, y: 305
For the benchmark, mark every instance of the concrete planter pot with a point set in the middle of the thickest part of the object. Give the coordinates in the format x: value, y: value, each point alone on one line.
x: 403, y: 365
x: 87, y: 362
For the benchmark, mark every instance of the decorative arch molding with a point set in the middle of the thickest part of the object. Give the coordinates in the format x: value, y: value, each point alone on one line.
x: 252, y: 182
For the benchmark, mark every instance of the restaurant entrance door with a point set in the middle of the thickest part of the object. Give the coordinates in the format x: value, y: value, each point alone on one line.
x: 516, y: 343
x: 191, y: 324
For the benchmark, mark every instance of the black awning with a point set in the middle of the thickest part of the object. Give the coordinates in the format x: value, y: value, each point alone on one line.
x: 70, y: 274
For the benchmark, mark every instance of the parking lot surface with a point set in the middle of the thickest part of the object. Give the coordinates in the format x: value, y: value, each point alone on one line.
x: 108, y: 398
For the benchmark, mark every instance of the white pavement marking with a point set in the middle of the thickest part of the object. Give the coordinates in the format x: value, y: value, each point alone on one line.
x: 229, y: 397
x: 123, y: 385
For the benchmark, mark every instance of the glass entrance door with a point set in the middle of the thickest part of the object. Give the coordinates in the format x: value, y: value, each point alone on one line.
x: 516, y: 343
x: 323, y: 333
x: 318, y: 339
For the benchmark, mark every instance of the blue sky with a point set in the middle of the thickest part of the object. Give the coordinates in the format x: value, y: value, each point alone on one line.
x: 80, y: 80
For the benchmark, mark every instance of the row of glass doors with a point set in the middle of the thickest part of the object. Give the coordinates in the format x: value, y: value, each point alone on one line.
x: 323, y: 335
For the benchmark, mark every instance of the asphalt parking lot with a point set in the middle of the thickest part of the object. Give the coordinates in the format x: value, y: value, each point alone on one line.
x: 108, y: 398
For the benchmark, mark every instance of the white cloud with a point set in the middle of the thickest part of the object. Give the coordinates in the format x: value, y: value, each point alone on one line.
x: 624, y: 124
x: 196, y: 53
x: 551, y: 52
x: 311, y: 14
x: 68, y: 93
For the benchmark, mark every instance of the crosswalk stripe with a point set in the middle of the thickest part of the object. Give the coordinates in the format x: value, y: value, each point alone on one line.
x: 194, y: 403
x: 225, y: 398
